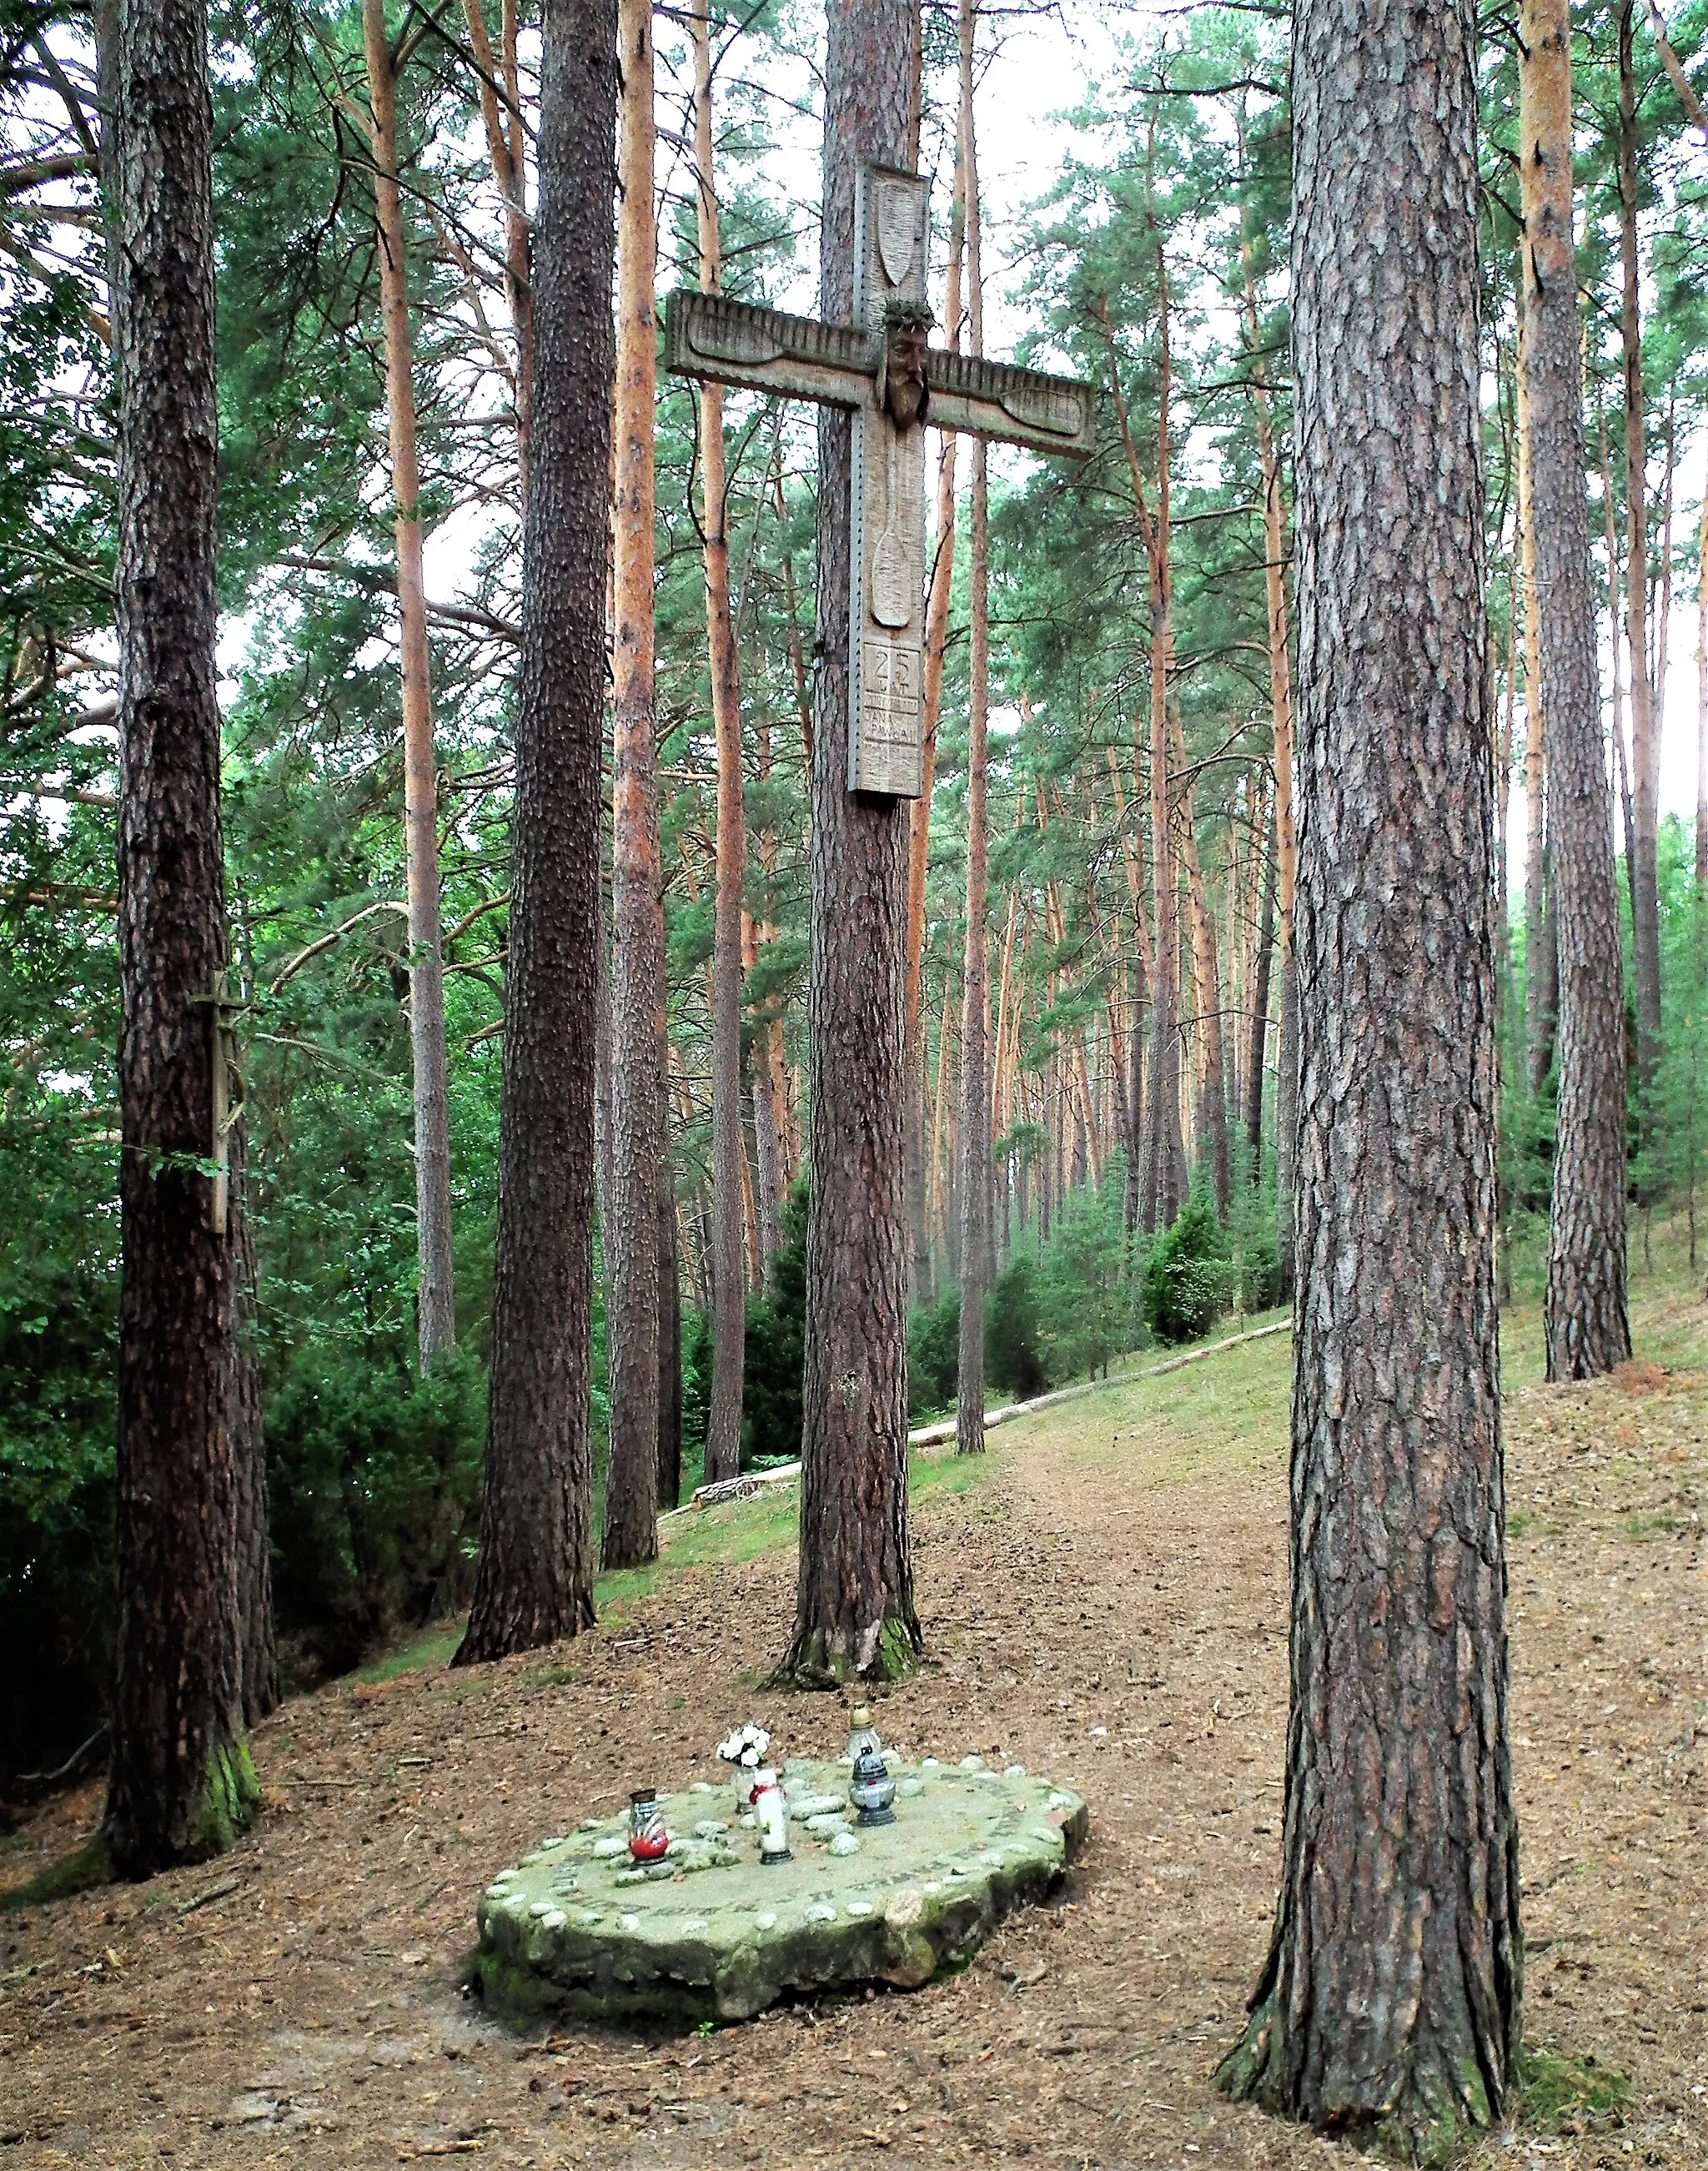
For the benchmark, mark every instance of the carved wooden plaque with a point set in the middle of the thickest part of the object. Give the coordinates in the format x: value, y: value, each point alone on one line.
x: 886, y: 600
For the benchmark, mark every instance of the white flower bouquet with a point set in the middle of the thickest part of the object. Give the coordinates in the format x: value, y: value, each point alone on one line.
x: 746, y: 1747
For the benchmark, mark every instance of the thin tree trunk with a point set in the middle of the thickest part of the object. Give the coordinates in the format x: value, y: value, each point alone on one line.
x: 437, y: 1306
x: 504, y: 148
x: 1701, y: 859
x: 1646, y: 767
x: 258, y: 1644
x: 974, y: 1032
x: 729, y: 1158
x: 1620, y: 768
x: 669, y: 1336
x: 536, y: 1575
x: 931, y: 674
x: 1286, y: 821
x: 1389, y: 2004
x: 1212, y: 1125
x: 1588, y: 1326
x: 1259, y: 1003
x: 181, y: 1784
x: 632, y: 1226
x: 1541, y: 975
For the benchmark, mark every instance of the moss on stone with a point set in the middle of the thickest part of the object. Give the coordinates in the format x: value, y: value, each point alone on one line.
x: 565, y: 1932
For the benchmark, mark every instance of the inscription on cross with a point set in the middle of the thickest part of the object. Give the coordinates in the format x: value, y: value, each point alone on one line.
x: 882, y: 366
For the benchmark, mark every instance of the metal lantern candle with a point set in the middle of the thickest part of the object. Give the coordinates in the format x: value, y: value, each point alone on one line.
x: 872, y: 1793
x: 648, y: 1839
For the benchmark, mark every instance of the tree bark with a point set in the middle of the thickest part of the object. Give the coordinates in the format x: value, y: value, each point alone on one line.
x: 182, y: 1784
x: 1390, y: 2005
x: 257, y: 1643
x: 974, y: 1032
x: 919, y: 820
x: 1588, y: 1327
x: 669, y: 1336
x: 1212, y: 1124
x: 437, y: 1303
x: 854, y: 1602
x: 1646, y: 763
x: 536, y: 1576
x: 1541, y: 981
x: 729, y: 1156
x: 504, y: 148
x: 1259, y: 1003
x: 631, y: 1227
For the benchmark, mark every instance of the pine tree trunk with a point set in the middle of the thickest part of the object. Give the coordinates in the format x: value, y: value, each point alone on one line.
x: 1390, y: 2005
x: 258, y: 1646
x: 504, y: 148
x: 1253, y: 1111
x: 919, y: 819
x: 1587, y: 1324
x: 669, y: 1337
x: 729, y: 1156
x: 437, y: 1303
x: 181, y: 1783
x: 1645, y: 762
x: 1286, y: 826
x: 536, y: 1576
x: 1541, y: 983
x: 1211, y: 1126
x: 974, y: 1032
x: 854, y: 1605
x: 630, y: 1228
x: 1701, y: 856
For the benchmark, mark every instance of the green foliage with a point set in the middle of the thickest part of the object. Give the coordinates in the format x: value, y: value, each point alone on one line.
x: 1086, y: 1292
x: 375, y: 1478
x: 773, y: 1366
x: 697, y: 1352
x: 1013, y: 1330
x: 934, y: 1355
x: 1188, y: 1277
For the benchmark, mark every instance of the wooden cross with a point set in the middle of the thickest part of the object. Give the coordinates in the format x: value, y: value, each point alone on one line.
x: 881, y: 366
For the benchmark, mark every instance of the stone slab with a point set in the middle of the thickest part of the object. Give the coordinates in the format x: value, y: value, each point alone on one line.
x: 712, y: 1933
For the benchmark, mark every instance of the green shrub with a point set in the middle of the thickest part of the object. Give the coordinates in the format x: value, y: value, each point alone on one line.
x: 1187, y: 1278
x: 374, y: 1478
x: 934, y: 1354
x: 775, y: 1362
x: 1012, y: 1331
x: 697, y: 1355
x: 1085, y: 1289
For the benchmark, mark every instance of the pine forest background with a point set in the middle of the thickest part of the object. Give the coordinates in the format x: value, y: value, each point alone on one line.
x: 1141, y: 1189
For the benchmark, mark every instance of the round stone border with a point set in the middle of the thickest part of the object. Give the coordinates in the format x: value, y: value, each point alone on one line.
x: 711, y: 1933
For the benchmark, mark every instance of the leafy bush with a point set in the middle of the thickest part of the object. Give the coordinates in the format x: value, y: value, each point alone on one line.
x: 1085, y: 1288
x: 934, y: 1354
x: 775, y: 1362
x: 1012, y: 1331
x: 696, y: 1356
x: 374, y: 1476
x: 1186, y: 1281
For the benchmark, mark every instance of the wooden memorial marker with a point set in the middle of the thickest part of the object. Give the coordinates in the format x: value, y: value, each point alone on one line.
x: 881, y: 366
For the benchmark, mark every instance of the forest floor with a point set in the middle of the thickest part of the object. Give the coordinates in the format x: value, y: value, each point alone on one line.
x: 1104, y: 1598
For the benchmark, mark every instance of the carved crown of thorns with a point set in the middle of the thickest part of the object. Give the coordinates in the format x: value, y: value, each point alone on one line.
x: 910, y: 310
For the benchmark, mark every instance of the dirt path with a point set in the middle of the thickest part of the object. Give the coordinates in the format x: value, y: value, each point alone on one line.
x: 1109, y: 1605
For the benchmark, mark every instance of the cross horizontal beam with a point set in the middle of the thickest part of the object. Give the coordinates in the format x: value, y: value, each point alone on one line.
x: 709, y: 336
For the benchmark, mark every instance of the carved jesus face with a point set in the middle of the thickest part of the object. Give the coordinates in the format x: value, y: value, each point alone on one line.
x: 906, y: 391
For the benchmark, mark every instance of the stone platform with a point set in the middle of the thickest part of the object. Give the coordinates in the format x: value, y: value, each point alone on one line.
x: 711, y: 1933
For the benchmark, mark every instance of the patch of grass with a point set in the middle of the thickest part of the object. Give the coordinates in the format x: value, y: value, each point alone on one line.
x: 1571, y: 2095
x: 556, y: 1676
x: 79, y: 1871
x: 424, y: 1653
x: 1230, y: 1412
